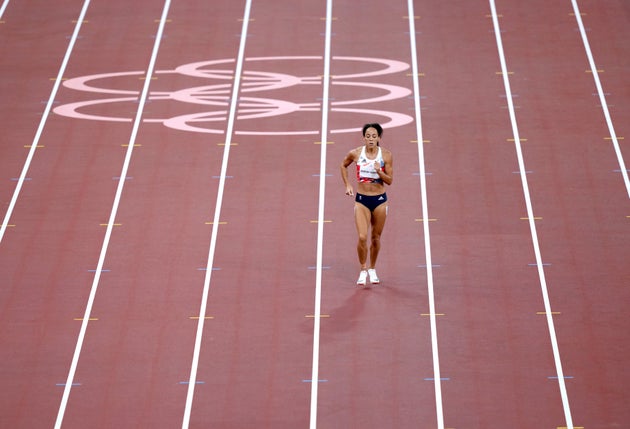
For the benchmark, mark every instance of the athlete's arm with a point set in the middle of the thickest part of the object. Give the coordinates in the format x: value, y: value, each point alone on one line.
x: 387, y: 172
x: 349, y: 159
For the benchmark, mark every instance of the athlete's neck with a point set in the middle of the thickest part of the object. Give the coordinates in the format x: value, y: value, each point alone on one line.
x: 371, y: 150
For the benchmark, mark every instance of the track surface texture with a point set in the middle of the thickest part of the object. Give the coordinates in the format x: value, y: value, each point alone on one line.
x: 177, y: 250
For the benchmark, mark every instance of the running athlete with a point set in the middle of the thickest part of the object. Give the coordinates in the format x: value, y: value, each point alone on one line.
x: 374, y: 169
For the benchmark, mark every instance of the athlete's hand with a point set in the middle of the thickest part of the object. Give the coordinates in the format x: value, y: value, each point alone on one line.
x: 377, y: 166
x: 349, y: 191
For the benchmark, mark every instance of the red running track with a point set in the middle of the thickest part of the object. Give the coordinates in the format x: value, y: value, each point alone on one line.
x: 375, y: 346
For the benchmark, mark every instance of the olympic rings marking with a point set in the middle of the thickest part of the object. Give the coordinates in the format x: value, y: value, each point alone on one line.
x: 215, y: 96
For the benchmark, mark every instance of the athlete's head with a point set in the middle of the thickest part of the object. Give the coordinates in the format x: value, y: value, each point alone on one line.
x: 376, y: 126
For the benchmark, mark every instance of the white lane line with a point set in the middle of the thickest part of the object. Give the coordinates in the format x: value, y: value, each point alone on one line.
x: 112, y: 218
x: 192, y: 382
x: 602, y: 97
x: 425, y: 215
x: 3, y: 7
x: 530, y: 216
x: 320, y: 216
x: 42, y: 122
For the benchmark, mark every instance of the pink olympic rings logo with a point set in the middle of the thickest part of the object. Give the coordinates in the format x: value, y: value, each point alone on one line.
x: 211, y: 101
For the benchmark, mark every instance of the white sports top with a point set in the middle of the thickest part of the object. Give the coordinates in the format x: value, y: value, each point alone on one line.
x: 366, y: 173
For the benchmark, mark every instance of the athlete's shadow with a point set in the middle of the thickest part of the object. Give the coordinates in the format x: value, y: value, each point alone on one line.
x: 351, y: 311
x: 400, y: 294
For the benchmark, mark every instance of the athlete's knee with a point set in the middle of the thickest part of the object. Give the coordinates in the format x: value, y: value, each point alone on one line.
x: 376, y: 239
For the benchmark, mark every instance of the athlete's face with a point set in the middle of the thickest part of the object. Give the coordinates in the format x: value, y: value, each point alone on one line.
x: 371, y: 137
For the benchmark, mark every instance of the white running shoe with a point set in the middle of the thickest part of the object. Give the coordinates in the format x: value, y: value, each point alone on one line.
x: 362, y: 278
x: 373, y: 277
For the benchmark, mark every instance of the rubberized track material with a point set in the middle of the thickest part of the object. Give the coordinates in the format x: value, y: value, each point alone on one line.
x: 176, y: 249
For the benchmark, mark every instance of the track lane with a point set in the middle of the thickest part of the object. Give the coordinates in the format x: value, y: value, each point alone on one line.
x: 490, y: 336
x: 255, y: 352
x: 47, y: 247
x: 375, y: 352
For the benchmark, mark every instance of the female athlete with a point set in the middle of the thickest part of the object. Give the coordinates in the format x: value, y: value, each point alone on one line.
x: 374, y: 170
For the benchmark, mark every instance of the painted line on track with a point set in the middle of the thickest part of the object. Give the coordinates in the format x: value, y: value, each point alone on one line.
x: 114, y: 211
x: 3, y: 7
x: 320, y: 215
x: 437, y: 379
x: 602, y: 96
x: 42, y: 123
x: 192, y: 382
x: 531, y: 219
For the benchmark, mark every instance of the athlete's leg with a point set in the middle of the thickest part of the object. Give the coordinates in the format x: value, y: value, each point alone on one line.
x: 362, y: 220
x: 379, y: 215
